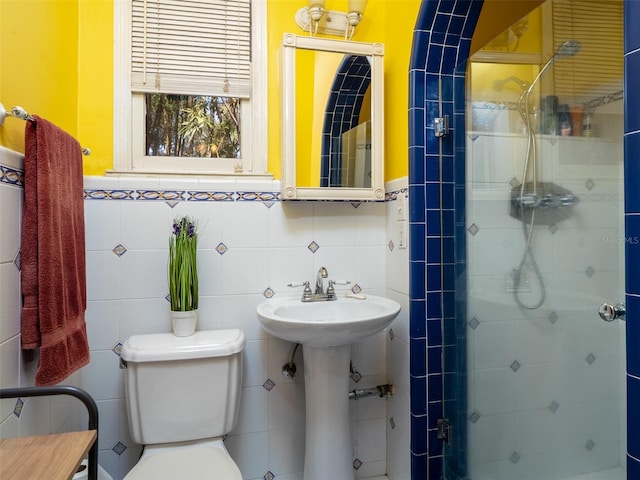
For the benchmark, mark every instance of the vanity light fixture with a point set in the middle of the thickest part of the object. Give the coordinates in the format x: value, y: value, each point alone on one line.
x: 315, y: 19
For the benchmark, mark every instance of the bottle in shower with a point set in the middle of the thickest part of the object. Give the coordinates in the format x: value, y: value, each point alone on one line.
x: 564, y: 121
x: 550, y: 115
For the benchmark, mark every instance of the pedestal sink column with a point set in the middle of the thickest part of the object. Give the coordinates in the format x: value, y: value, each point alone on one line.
x: 328, y: 437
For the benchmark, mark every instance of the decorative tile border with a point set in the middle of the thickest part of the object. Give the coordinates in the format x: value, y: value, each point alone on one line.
x: 15, y: 177
x: 11, y: 176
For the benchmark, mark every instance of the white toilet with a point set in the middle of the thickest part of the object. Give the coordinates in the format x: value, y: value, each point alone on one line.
x: 183, y: 395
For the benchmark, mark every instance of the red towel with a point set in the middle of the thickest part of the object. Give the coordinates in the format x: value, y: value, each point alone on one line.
x: 52, y: 252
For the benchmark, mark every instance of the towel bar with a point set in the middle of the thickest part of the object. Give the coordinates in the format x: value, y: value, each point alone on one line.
x: 19, y: 112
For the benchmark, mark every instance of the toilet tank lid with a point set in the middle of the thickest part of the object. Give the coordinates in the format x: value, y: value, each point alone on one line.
x: 160, y: 347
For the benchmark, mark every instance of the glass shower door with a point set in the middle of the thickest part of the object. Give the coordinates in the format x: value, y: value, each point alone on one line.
x: 540, y: 387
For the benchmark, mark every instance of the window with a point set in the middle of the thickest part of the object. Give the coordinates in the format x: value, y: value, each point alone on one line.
x: 186, y: 96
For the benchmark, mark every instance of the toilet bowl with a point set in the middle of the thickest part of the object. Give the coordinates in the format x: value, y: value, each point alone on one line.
x: 183, y: 396
x: 198, y: 461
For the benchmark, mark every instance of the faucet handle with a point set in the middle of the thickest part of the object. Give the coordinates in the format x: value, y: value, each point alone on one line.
x: 332, y: 291
x: 307, y: 288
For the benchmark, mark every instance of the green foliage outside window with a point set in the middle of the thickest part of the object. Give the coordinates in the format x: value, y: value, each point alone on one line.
x: 192, y: 126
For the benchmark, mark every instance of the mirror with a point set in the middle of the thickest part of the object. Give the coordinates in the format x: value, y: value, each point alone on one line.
x: 332, y: 119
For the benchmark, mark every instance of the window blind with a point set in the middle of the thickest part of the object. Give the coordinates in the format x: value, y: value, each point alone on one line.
x: 194, y: 47
x: 597, y: 69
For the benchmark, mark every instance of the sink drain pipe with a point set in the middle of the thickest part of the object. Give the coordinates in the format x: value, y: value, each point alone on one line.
x: 380, y: 391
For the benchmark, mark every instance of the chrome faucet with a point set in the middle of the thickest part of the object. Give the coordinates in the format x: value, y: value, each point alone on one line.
x: 322, y: 273
x: 319, y: 295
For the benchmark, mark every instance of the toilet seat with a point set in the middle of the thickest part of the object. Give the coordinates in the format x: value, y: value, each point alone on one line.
x: 194, y: 463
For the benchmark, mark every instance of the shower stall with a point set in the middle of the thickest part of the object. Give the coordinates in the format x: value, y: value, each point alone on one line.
x: 539, y: 376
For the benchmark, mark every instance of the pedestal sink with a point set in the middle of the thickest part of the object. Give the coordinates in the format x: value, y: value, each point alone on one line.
x: 326, y: 330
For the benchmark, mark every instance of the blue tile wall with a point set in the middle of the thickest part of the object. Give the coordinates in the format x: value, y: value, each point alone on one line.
x: 437, y: 175
x: 436, y: 171
x: 632, y: 228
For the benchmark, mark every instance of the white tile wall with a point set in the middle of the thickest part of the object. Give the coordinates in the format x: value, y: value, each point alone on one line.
x: 17, y: 368
x: 266, y: 248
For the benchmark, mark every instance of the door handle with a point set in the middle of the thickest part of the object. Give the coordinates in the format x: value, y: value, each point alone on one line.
x: 609, y: 313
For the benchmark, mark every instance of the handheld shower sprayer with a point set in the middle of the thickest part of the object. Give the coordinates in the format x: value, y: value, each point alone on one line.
x: 568, y: 48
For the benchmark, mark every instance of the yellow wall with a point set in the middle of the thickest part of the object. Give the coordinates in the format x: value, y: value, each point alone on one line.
x: 39, y: 64
x: 496, y: 16
x: 95, y: 108
x: 57, y: 62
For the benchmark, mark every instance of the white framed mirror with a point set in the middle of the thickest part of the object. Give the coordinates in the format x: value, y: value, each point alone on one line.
x: 332, y: 119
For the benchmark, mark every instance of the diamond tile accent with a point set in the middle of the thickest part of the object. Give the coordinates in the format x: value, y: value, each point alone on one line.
x: 514, y: 457
x: 117, y: 348
x: 17, y: 261
x: 313, y: 246
x: 17, y: 410
x: 590, y: 358
x: 357, y: 464
x: 392, y: 422
x: 269, y: 475
x: 119, y: 250
x: 268, y: 293
x: 553, y: 406
x: 474, y: 137
x: 356, y: 376
x: 356, y: 204
x: 172, y: 203
x: 391, y: 334
x: 356, y: 288
x: 553, y: 317
x: 473, y: 323
x: 589, y: 184
x: 268, y: 204
x: 221, y: 248
x: 391, y: 245
x: 269, y: 384
x: 515, y: 366
x: 590, y: 444
x: 589, y: 271
x: 514, y: 182
x: 474, y: 417
x: 473, y: 229
x: 553, y: 228
x: 119, y: 448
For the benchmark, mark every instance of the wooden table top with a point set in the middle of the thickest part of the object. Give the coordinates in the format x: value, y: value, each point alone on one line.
x: 44, y: 457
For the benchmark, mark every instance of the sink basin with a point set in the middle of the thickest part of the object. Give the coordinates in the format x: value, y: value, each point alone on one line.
x: 326, y: 323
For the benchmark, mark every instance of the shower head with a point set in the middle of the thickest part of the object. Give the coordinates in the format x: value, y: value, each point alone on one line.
x: 568, y: 49
x: 498, y: 85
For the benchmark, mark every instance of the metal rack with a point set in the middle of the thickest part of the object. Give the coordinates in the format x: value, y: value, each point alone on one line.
x: 82, y: 395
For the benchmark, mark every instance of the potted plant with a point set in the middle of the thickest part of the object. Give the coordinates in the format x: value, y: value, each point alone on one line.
x: 183, y: 276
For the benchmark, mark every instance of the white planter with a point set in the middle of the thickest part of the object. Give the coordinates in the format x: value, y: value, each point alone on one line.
x: 184, y: 323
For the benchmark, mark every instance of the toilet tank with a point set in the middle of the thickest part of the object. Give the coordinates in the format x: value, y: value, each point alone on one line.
x: 183, y: 388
